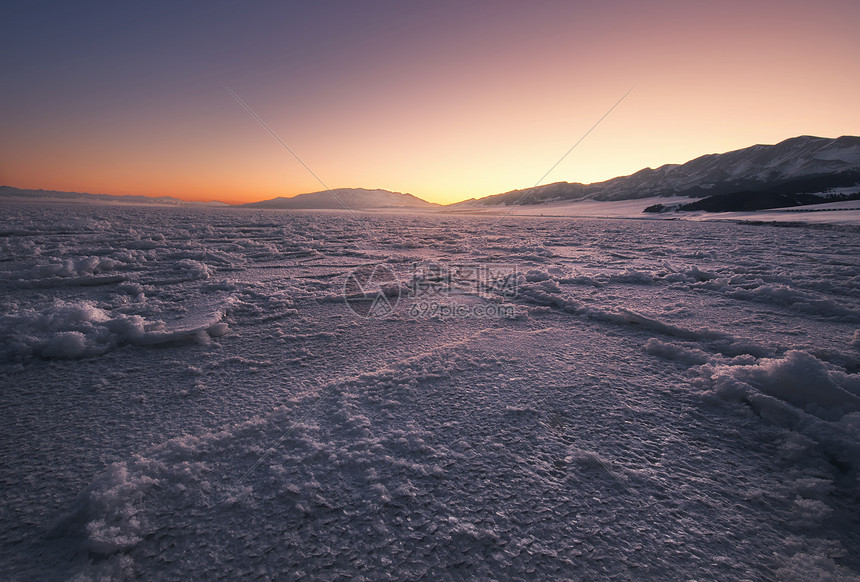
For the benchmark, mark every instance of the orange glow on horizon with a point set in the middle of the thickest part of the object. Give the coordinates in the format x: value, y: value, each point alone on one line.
x: 488, y: 111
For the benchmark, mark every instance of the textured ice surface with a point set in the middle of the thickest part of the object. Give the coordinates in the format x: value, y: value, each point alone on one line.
x: 186, y: 395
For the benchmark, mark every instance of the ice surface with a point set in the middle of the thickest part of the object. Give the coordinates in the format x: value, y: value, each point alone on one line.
x: 187, y: 395
x: 838, y: 213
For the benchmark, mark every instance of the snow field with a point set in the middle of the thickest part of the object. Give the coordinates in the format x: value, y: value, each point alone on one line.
x: 188, y: 396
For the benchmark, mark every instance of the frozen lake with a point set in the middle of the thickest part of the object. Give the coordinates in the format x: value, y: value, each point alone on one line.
x: 189, y: 395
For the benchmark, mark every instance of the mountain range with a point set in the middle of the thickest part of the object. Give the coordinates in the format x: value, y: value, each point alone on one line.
x: 342, y: 198
x: 799, y: 165
x: 26, y: 195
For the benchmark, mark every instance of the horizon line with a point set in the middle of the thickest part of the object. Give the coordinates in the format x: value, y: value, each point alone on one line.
x: 213, y: 200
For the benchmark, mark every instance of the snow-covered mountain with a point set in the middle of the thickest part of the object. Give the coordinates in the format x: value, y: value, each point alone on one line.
x: 352, y: 198
x: 800, y: 164
x: 10, y: 193
x: 804, y: 164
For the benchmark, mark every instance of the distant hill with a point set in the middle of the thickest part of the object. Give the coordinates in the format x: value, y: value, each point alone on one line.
x: 352, y: 198
x: 804, y: 164
x: 25, y: 195
x: 796, y: 166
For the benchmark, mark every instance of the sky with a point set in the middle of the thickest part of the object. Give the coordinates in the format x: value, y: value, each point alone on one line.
x: 446, y: 100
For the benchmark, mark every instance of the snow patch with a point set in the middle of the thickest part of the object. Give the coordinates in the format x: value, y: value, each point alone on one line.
x: 74, y: 329
x: 692, y: 356
x: 799, y: 379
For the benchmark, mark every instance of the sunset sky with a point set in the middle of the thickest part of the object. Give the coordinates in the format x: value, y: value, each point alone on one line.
x: 446, y: 100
